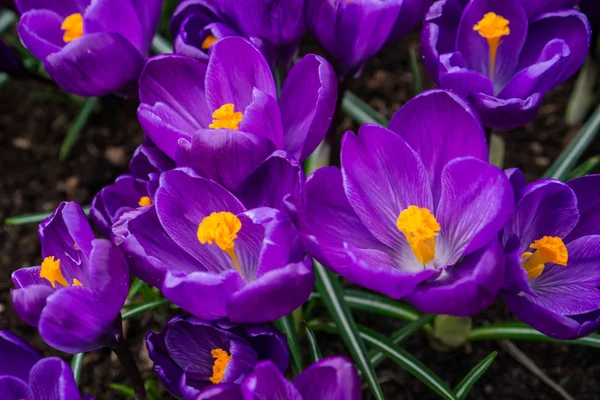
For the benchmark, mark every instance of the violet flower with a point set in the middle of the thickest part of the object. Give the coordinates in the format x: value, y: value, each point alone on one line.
x: 503, y: 56
x: 230, y: 107
x: 552, y: 243
x: 75, y: 297
x: 411, y: 14
x: 352, y: 32
x: 212, y: 256
x: 25, y: 375
x: 333, y: 378
x: 415, y: 211
x: 190, y: 355
x: 90, y: 47
x: 132, y: 190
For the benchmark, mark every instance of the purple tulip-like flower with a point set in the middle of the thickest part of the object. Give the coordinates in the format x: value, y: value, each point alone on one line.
x: 229, y: 107
x: 214, y: 257
x: 352, y: 32
x: 552, y: 246
x: 132, y: 190
x: 75, y: 297
x: 333, y: 378
x: 415, y: 211
x: 25, y: 375
x: 503, y: 56
x: 190, y: 355
x: 90, y: 47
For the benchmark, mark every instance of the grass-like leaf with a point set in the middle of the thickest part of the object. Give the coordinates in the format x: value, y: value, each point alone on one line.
x: 333, y: 298
x: 125, y: 390
x: 286, y: 325
x: 142, y: 308
x: 75, y: 129
x: 360, y: 111
x: 585, y: 167
x: 462, y: 389
x: 34, y: 218
x: 315, y: 351
x: 76, y: 365
x: 414, y: 66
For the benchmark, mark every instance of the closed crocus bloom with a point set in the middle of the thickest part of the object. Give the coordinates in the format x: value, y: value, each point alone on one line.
x: 90, y: 47
x: 552, y: 244
x: 351, y: 31
x: 411, y: 14
x: 190, y: 355
x: 230, y: 107
x: 75, y: 297
x: 415, y: 211
x: 25, y: 375
x: 212, y: 256
x: 503, y: 56
x: 132, y: 190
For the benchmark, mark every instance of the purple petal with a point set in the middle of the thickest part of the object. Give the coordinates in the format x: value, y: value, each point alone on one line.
x: 225, y: 391
x: 168, y: 372
x: 517, y: 180
x: 439, y: 126
x: 40, y: 32
x: 533, y: 8
x: 63, y: 8
x: 66, y: 231
x: 25, y: 277
x: 411, y: 14
x: 12, y: 388
x: 308, y: 100
x: 455, y: 77
x: 588, y: 203
x: 515, y: 277
x: 115, y: 17
x: 30, y: 302
x: 148, y: 13
x: 382, y: 177
x: 86, y: 66
x: 506, y: 114
x: 465, y: 289
x: 263, y: 118
x: 267, y: 382
x: 333, y: 378
x: 16, y: 356
x: 53, y: 379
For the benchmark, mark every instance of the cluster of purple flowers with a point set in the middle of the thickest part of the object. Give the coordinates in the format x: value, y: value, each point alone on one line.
x: 218, y: 214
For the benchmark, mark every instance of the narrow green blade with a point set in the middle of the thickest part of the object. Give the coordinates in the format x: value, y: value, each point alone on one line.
x: 73, y: 133
x: 286, y: 324
x: 463, y: 388
x: 34, y: 218
x: 76, y: 365
x: 142, y: 308
x: 315, y: 351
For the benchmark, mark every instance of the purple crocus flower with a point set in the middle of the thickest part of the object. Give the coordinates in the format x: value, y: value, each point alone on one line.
x: 90, y: 47
x: 190, y: 355
x: 411, y: 14
x: 212, y: 256
x: 415, y: 211
x: 25, y: 375
x: 351, y: 32
x: 132, y: 190
x: 333, y: 378
x: 503, y: 56
x: 230, y: 106
x: 552, y: 244
x: 75, y: 297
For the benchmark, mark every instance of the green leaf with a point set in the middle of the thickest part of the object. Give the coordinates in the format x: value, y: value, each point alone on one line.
x: 414, y: 66
x: 7, y: 20
x: 75, y: 129
x: 377, y: 357
x: 135, y: 287
x: 333, y: 298
x: 497, y: 149
x: 584, y: 168
x: 463, y: 388
x: 160, y: 45
x: 568, y: 158
x: 125, y: 390
x: 315, y: 351
x: 360, y: 111
x: 520, y: 331
x: 377, y: 304
x: 286, y: 325
x: 142, y: 308
x: 76, y: 365
x: 34, y: 218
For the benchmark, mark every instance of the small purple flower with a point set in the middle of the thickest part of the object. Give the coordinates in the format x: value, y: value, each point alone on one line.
x: 333, y: 378
x: 75, y: 297
x: 415, y: 211
x: 24, y: 374
x: 190, y: 355
x: 132, y: 190
x: 503, y: 56
x: 90, y: 47
x: 552, y: 246
x: 214, y: 257
x: 351, y: 32
x: 230, y: 106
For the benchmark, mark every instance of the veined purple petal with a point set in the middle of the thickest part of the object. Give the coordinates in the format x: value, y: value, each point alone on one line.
x: 52, y: 379
x: 40, y: 32
x: 534, y: 8
x: 16, y: 356
x: 63, y: 8
x: 115, y: 17
x: 12, y: 388
x: 267, y: 382
x: 506, y: 114
x: 332, y: 378
x: 588, y: 203
x: 30, y: 301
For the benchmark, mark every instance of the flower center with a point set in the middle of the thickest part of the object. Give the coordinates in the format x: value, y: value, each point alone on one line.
x: 420, y: 228
x: 221, y: 360
x: 492, y: 27
x: 145, y: 201
x: 51, y: 272
x: 221, y: 228
x: 549, y: 249
x: 208, y: 42
x: 225, y: 117
x: 73, y: 27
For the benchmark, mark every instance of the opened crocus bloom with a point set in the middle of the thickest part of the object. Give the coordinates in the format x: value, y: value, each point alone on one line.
x: 25, y: 375
x: 503, y: 56
x: 75, y: 296
x: 552, y: 244
x: 191, y: 355
x: 415, y: 211
x: 214, y: 257
x: 91, y: 48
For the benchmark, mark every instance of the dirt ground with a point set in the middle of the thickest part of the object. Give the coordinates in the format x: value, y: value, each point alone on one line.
x: 34, y: 117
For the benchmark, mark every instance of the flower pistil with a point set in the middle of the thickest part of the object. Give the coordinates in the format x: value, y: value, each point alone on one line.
x: 492, y: 27
x: 222, y: 358
x: 51, y: 272
x: 420, y: 229
x: 208, y: 42
x: 549, y: 249
x: 225, y: 117
x: 221, y: 228
x: 73, y: 27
